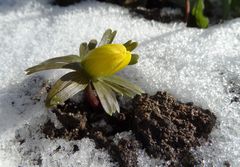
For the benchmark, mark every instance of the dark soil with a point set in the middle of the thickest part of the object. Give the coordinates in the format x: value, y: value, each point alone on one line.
x: 64, y: 2
x: 234, y: 89
x: 153, y: 10
x: 149, y: 9
x: 170, y: 128
x: 166, y: 128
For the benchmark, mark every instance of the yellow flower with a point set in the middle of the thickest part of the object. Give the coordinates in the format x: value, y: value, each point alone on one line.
x: 106, y: 60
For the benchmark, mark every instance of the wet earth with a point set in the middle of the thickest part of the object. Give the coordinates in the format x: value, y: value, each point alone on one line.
x: 165, y: 11
x: 163, y: 126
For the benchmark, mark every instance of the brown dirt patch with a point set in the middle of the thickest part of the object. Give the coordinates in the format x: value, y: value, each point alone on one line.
x: 163, y: 126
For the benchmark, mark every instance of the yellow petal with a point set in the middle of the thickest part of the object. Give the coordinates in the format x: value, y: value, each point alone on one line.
x: 106, y: 60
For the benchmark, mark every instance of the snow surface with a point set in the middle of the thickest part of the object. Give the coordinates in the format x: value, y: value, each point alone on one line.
x: 202, y: 66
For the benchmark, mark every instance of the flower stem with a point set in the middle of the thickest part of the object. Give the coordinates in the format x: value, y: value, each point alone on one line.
x: 91, y: 97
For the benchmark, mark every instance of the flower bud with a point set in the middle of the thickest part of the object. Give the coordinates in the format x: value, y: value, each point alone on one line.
x: 106, y: 60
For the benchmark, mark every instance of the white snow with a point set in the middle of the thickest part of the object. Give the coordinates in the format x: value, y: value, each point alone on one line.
x: 202, y: 66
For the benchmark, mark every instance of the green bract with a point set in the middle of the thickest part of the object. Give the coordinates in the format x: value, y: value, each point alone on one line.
x: 89, y: 69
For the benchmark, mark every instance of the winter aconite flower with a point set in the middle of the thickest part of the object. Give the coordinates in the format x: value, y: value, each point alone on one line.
x: 94, y: 67
x: 106, y: 60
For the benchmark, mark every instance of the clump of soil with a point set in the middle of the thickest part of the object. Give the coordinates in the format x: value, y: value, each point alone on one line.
x: 166, y: 128
x: 169, y: 128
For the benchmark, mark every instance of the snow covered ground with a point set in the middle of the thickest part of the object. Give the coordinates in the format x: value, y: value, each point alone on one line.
x: 202, y: 66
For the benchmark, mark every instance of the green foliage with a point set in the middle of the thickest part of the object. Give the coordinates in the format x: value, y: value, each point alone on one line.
x: 107, y: 98
x: 83, y: 50
x: 197, y: 11
x: 226, y: 8
x: 107, y: 37
x: 77, y: 80
x: 66, y: 87
x: 130, y: 45
x: 236, y: 7
x: 67, y: 62
x: 121, y: 86
x: 92, y: 44
x: 231, y: 8
x: 134, y: 59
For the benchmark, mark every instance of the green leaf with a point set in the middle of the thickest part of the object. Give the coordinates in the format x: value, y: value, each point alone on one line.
x: 113, y: 35
x: 66, y: 93
x: 83, y: 50
x: 235, y: 8
x: 130, y: 46
x: 68, y: 62
x: 92, y: 44
x: 119, y: 89
x: 38, y: 68
x: 127, y: 43
x: 66, y: 87
x: 197, y: 11
x: 107, y: 37
x: 107, y: 98
x: 122, y: 83
x: 226, y: 8
x: 64, y: 59
x: 134, y: 59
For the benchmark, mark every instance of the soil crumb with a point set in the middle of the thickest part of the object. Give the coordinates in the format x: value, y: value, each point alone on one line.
x: 163, y: 126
